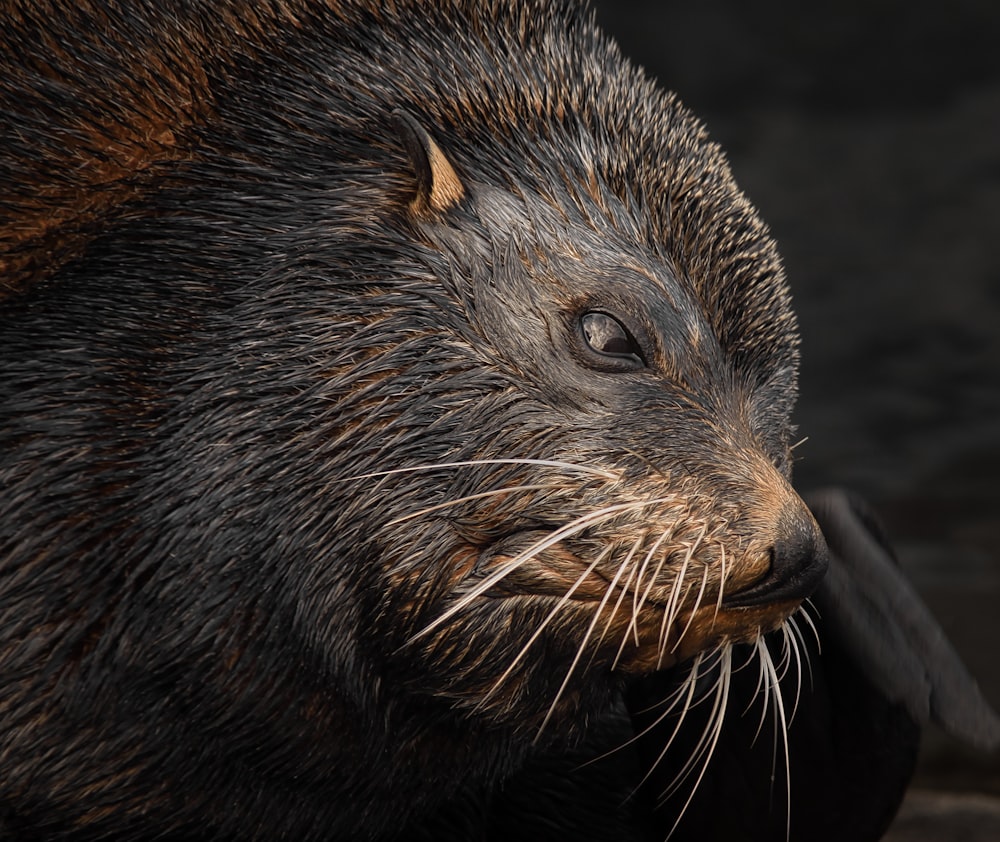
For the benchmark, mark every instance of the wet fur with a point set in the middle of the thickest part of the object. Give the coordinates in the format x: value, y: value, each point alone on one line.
x: 241, y: 371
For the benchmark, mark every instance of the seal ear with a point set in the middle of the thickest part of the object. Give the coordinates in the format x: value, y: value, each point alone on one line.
x: 438, y: 186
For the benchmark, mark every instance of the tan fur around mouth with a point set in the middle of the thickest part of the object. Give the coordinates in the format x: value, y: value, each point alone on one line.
x: 700, y: 621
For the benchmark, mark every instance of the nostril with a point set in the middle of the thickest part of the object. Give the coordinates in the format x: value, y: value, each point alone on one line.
x: 798, y: 561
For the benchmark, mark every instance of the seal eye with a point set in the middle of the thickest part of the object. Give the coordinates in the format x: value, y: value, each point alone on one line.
x: 608, y: 337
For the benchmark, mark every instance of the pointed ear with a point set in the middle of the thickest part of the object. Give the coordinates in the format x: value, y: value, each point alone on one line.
x: 438, y: 186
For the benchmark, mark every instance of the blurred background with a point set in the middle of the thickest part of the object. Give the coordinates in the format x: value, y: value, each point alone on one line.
x: 868, y: 135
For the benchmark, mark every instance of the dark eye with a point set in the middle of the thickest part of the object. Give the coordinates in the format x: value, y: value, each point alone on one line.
x: 608, y: 337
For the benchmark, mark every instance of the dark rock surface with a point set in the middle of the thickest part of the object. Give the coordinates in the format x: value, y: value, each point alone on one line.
x: 868, y: 134
x: 946, y: 817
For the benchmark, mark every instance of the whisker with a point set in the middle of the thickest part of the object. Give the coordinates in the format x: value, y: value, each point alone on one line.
x: 802, y: 642
x: 722, y: 581
x: 794, y: 644
x: 752, y: 658
x: 639, y: 600
x: 684, y: 693
x: 710, y: 658
x: 673, y: 604
x: 652, y: 581
x: 583, y: 643
x: 779, y: 712
x: 672, y: 601
x: 468, y: 463
x: 468, y: 499
x: 669, y: 608
x: 763, y: 687
x: 784, y: 664
x: 804, y: 613
x: 694, y: 609
x: 716, y: 714
x: 626, y: 562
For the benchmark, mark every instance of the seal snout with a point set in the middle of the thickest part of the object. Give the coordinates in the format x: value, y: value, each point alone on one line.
x: 798, y: 561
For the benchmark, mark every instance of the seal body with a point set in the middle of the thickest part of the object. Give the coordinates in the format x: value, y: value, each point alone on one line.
x: 384, y: 386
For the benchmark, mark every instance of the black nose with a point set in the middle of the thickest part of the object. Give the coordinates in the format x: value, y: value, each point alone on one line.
x: 799, y: 560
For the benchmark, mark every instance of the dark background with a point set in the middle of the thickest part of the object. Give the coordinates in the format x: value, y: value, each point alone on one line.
x: 868, y: 135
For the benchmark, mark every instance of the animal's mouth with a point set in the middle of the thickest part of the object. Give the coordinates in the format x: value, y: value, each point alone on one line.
x: 793, y: 570
x: 662, y: 624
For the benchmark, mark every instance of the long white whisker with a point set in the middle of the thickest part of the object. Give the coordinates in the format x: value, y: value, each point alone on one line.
x: 669, y: 609
x: 763, y: 685
x: 752, y: 656
x: 782, y: 667
x: 794, y: 644
x: 724, y: 664
x: 722, y: 582
x: 639, y: 600
x: 688, y: 555
x: 802, y: 643
x: 626, y: 563
x: 803, y: 611
x: 468, y: 499
x: 468, y: 463
x: 583, y: 644
x: 694, y: 609
x: 779, y: 711
x: 674, y: 603
x: 683, y: 693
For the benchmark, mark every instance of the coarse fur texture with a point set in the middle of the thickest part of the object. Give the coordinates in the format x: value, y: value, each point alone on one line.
x: 318, y: 503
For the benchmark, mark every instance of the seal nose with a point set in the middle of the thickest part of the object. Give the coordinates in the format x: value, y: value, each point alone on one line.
x: 799, y: 559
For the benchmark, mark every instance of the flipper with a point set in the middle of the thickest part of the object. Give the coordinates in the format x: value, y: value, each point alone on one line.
x: 868, y: 603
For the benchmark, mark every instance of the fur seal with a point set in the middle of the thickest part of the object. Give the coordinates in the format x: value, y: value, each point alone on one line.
x: 384, y: 387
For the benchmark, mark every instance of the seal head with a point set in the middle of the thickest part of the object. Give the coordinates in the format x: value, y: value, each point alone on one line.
x: 384, y: 386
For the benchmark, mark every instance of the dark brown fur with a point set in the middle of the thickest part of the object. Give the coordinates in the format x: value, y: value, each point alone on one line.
x: 262, y: 265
